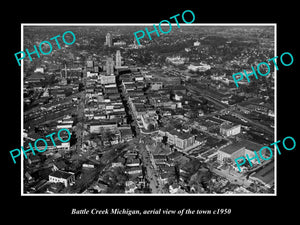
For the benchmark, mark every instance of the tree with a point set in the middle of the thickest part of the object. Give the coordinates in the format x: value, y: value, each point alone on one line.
x: 80, y: 87
x: 73, y: 139
x: 227, y: 162
x: 164, y: 140
x: 109, y: 136
x: 200, y: 179
x: 177, y: 171
x: 151, y: 127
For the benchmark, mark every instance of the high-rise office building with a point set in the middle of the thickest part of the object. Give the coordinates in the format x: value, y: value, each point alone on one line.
x: 108, y: 41
x: 110, y: 66
x: 118, y: 59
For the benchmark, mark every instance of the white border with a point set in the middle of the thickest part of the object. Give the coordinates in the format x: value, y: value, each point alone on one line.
x: 149, y: 24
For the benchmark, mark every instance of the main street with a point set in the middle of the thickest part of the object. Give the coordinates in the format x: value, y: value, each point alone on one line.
x: 80, y: 114
x: 152, y: 173
x: 80, y: 125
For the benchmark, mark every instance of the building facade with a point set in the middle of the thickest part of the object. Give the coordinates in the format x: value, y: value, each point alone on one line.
x: 109, y: 66
x: 241, y: 149
x: 181, y: 140
x: 230, y: 130
x: 58, y: 176
x: 118, y: 59
x: 108, y: 39
x: 107, y: 79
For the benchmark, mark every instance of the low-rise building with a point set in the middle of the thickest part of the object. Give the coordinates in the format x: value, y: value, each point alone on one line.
x: 126, y: 133
x: 264, y: 176
x: 239, y: 149
x: 156, y: 85
x: 130, y: 187
x: 230, y: 129
x: 98, y: 126
x: 67, y: 178
x: 199, y: 67
x: 134, y: 170
x: 107, y: 79
x: 149, y: 119
x: 132, y: 162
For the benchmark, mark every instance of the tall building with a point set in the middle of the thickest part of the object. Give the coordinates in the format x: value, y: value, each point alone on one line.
x: 109, y: 66
x: 118, y: 59
x: 108, y: 41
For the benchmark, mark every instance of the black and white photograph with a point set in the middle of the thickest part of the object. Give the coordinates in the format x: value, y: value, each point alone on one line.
x: 160, y: 116
x: 122, y: 112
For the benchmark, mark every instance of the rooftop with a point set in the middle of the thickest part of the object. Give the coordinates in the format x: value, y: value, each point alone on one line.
x: 228, y: 126
x: 252, y: 146
x: 179, y: 133
x: 266, y: 174
x: 61, y: 174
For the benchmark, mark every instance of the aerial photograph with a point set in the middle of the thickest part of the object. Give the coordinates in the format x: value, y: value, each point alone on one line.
x: 154, y: 116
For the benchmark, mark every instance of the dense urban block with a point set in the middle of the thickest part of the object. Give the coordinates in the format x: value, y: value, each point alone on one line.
x: 162, y: 116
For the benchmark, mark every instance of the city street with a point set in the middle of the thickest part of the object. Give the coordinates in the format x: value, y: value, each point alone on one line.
x: 148, y: 161
x: 79, y: 126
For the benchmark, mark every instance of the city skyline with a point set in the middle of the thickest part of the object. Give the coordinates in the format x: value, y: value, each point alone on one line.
x: 165, y: 108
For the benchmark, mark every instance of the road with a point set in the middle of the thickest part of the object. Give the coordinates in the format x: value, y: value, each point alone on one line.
x: 80, y: 115
x: 80, y: 124
x: 152, y: 174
